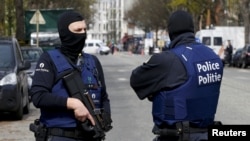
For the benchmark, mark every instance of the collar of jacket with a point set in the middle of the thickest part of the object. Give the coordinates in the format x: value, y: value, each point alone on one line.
x: 184, y: 38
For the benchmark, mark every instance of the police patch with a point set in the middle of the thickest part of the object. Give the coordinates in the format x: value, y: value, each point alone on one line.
x: 208, y: 72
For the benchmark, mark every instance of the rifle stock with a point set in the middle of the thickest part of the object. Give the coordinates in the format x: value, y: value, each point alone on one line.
x: 75, y: 87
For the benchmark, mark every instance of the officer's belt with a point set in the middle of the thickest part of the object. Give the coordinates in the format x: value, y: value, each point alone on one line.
x: 70, y: 133
x: 182, y: 128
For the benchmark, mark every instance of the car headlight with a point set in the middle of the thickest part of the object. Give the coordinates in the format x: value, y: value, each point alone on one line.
x: 10, y: 79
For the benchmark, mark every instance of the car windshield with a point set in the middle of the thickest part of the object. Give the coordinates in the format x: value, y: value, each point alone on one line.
x: 31, y: 54
x: 6, y: 57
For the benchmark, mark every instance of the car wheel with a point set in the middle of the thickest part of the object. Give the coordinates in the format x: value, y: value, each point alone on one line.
x: 239, y: 65
x: 26, y: 109
x: 18, y: 114
x: 244, y: 65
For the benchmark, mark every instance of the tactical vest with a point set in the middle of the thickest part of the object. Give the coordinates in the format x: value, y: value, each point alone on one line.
x: 196, y: 100
x: 66, y: 118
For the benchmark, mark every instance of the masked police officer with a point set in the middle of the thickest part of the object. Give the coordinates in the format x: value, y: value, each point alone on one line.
x: 183, y: 84
x: 62, y: 115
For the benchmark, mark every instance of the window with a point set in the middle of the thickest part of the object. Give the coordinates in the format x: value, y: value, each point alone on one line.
x: 6, y: 56
x: 31, y: 54
x: 206, y: 40
x: 217, y: 41
x: 90, y: 44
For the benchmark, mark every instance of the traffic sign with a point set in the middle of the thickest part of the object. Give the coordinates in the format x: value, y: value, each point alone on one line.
x: 37, y: 18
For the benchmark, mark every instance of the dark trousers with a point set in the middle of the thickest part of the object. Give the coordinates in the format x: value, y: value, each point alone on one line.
x: 57, y: 138
x: 193, y: 137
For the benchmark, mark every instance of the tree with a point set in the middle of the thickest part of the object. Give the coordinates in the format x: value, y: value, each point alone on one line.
x: 2, y: 15
x: 12, y: 12
x: 245, y: 12
x: 200, y: 10
x: 148, y: 15
x: 83, y: 6
x: 19, y: 20
x: 10, y: 17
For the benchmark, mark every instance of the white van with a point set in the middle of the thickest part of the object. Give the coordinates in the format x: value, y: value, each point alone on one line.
x: 213, y: 39
x: 94, y: 46
x: 217, y: 38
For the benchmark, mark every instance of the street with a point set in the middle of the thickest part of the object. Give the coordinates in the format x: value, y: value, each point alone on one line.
x: 132, y: 120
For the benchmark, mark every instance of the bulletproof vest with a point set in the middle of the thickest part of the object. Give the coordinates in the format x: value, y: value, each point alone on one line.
x: 91, y: 81
x: 196, y: 100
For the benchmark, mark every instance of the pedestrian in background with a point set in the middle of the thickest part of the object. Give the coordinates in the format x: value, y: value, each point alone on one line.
x: 62, y: 116
x: 112, y: 45
x: 183, y: 84
x: 229, y: 53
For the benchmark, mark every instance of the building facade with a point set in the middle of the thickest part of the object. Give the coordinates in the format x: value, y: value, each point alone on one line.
x: 108, y: 22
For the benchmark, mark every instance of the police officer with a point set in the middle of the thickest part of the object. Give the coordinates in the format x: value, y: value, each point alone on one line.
x: 62, y: 115
x: 183, y: 84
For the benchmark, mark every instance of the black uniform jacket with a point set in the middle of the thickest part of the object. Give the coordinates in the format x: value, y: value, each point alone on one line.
x: 44, y: 80
x: 163, y: 71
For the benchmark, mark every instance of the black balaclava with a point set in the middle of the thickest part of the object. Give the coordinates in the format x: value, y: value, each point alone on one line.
x: 72, y: 43
x: 179, y: 22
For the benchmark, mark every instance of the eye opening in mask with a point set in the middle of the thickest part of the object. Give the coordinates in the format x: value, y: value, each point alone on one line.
x: 77, y: 27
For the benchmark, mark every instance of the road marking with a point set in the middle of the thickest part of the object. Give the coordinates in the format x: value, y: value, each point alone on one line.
x: 121, y: 70
x: 122, y: 79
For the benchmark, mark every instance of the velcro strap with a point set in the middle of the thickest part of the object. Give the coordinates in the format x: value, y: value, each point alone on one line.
x: 65, y: 133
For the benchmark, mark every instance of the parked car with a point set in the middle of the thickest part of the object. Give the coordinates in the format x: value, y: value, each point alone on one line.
x: 96, y: 47
x: 31, y: 54
x: 13, y: 79
x: 236, y: 57
x: 244, y: 60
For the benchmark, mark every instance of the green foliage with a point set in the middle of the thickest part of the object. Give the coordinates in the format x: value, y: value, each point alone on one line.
x: 148, y: 14
x: 176, y: 3
x: 10, y: 8
x: 9, y: 17
x: 83, y: 6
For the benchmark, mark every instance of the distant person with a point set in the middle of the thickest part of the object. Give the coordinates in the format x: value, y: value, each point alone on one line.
x: 112, y: 45
x: 229, y: 53
x: 183, y: 84
x: 61, y: 115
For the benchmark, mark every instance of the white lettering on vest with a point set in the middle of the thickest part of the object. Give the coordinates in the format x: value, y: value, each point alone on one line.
x: 208, y: 72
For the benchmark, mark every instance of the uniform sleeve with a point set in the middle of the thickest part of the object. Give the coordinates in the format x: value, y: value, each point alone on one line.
x: 42, y: 84
x: 105, y: 97
x: 162, y: 71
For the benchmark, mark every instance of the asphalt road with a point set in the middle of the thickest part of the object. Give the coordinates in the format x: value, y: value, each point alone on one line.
x: 234, y: 105
x: 132, y: 119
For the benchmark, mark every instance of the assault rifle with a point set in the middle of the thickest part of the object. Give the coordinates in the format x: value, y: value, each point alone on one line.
x: 76, y: 89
